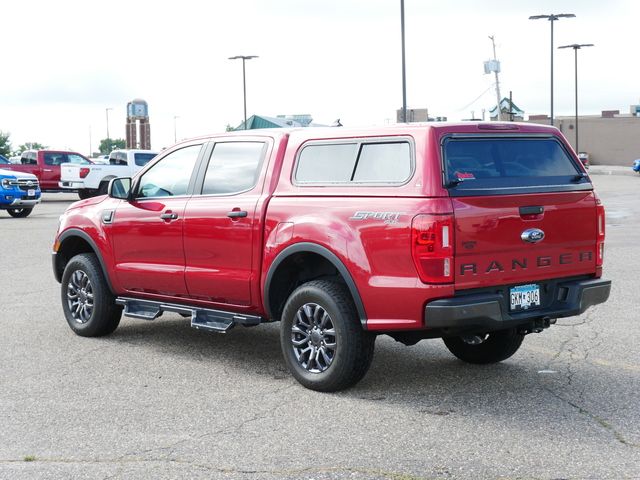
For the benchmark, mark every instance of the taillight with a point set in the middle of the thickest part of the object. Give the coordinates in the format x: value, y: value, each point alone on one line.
x: 432, y: 247
x: 600, y: 233
x: 84, y: 171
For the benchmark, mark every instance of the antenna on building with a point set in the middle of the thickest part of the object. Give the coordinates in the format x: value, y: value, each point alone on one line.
x: 494, y: 66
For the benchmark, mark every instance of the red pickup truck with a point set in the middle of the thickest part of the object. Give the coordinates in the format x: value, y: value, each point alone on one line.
x: 45, y: 164
x: 477, y: 233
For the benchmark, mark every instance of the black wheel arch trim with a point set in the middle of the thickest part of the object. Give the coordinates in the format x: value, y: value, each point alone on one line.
x: 73, y: 232
x: 304, y: 247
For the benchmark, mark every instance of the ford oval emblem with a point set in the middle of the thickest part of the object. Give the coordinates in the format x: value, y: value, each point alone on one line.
x: 532, y: 235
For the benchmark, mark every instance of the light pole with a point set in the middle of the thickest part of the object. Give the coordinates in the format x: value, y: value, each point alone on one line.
x: 175, y: 131
x: 552, y: 18
x: 576, y: 47
x: 107, y: 112
x: 404, y: 70
x: 244, y: 82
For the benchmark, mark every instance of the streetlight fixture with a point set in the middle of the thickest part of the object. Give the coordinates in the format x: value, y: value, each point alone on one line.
x: 576, y: 47
x: 107, y: 112
x: 244, y: 82
x: 552, y: 18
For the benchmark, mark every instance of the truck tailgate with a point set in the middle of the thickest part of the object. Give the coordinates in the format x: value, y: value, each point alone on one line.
x: 69, y: 172
x: 498, y: 238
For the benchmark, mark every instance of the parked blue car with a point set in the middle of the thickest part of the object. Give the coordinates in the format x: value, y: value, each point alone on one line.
x: 636, y: 165
x: 19, y: 193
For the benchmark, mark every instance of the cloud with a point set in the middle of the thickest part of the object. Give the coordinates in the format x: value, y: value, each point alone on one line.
x: 69, y: 87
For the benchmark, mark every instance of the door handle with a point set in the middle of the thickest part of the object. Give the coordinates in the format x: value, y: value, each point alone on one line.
x: 237, y: 214
x: 169, y: 216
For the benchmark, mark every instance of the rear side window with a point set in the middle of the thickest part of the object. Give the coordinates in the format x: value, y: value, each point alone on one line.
x: 142, y: 159
x: 234, y: 167
x: 507, y: 163
x: 359, y: 162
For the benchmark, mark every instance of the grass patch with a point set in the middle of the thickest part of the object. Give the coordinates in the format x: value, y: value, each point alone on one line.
x: 30, y: 458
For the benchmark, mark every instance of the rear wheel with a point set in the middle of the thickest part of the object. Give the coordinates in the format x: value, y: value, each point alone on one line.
x: 85, y: 193
x: 487, y: 348
x: 88, y: 304
x: 322, y: 340
x: 102, y: 189
x: 19, y: 212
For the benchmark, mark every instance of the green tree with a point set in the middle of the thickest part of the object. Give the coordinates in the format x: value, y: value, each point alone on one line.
x: 108, y: 144
x: 5, y: 144
x: 29, y: 146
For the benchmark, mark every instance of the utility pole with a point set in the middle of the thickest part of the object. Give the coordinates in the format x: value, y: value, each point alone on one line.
x: 404, y: 69
x: 496, y: 70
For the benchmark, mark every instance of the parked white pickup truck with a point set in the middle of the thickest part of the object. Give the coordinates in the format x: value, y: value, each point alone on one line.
x: 92, y: 180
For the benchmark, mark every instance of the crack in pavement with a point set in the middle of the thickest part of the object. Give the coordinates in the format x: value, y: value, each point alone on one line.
x: 575, y: 356
x: 279, y: 472
x: 170, y: 449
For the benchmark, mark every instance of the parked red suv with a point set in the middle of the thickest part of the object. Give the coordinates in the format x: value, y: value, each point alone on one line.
x: 479, y: 233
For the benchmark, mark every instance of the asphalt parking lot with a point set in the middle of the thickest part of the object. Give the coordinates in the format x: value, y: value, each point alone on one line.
x: 160, y: 400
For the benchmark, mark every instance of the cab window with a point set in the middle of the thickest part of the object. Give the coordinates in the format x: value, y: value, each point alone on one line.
x: 234, y: 167
x: 170, y: 176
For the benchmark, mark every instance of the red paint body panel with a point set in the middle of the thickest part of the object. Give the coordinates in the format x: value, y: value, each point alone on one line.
x: 207, y: 259
x: 488, y: 241
x: 149, y: 251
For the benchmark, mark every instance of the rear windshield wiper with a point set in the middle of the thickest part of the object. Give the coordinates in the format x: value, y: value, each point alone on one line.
x: 454, y: 183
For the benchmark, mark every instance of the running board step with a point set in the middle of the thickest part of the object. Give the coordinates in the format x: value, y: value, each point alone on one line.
x: 201, y: 318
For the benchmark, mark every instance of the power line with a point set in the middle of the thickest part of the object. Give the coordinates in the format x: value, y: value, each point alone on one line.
x: 478, y: 98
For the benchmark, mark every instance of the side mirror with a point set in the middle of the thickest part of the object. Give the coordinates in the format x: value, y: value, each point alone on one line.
x: 120, y: 188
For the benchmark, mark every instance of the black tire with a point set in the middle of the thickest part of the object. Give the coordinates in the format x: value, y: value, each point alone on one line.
x: 102, y: 189
x: 334, y: 368
x: 493, y: 347
x: 19, y: 212
x: 85, y: 193
x: 88, y: 304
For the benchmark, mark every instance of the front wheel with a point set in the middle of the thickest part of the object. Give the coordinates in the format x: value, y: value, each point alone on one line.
x: 88, y: 304
x: 487, y: 348
x: 322, y: 340
x: 19, y: 212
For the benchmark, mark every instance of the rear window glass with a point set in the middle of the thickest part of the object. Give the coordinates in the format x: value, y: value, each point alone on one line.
x: 474, y: 163
x: 327, y: 163
x: 142, y: 159
x: 379, y: 162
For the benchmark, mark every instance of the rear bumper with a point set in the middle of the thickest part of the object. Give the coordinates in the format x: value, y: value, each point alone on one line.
x: 490, y: 311
x: 71, y: 185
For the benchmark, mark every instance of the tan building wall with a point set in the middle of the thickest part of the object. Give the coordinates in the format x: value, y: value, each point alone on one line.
x: 608, y: 141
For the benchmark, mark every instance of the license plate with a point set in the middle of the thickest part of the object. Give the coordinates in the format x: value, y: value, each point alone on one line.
x: 31, y: 193
x: 523, y: 297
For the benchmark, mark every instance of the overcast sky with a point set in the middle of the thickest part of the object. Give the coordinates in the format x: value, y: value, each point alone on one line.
x: 64, y: 62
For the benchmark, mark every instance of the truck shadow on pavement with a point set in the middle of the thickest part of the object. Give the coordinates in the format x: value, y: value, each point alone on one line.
x: 426, y: 371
